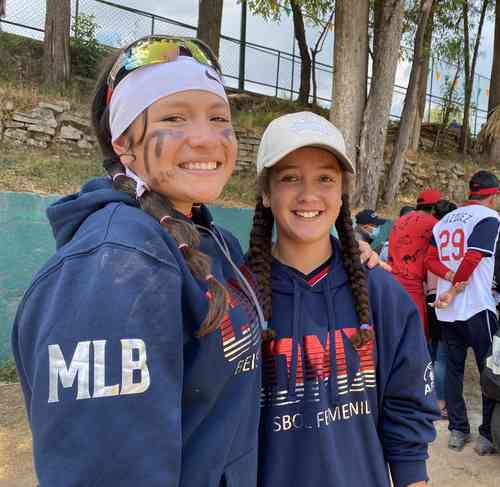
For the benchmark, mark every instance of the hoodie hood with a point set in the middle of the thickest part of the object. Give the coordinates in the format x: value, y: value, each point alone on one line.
x: 68, y: 214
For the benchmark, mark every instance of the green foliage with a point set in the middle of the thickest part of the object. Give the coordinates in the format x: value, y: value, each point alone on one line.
x: 86, y: 52
x: 8, y: 372
x: 314, y: 11
x: 448, y: 36
x: 452, y: 107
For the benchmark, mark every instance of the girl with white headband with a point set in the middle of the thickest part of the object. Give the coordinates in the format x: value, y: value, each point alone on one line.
x: 138, y: 343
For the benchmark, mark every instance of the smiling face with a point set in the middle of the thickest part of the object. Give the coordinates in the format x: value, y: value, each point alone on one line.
x: 305, y: 196
x: 184, y: 147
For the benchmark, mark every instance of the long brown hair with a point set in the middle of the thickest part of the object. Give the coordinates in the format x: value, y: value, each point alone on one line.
x: 158, y: 206
x: 260, y: 257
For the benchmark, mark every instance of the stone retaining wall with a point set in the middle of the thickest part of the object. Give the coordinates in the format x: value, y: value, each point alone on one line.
x: 46, y: 125
x: 54, y: 125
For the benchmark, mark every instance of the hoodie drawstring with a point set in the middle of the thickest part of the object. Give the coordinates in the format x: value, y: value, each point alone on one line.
x: 333, y: 385
x: 297, y: 297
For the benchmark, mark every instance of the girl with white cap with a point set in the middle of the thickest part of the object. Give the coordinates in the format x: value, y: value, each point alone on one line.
x: 138, y: 343
x: 347, y: 382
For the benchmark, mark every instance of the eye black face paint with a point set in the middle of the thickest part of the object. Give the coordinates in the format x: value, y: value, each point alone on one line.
x: 228, y: 133
x: 161, y: 135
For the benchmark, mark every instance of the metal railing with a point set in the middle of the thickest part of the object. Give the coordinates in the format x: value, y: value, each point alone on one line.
x: 268, y: 70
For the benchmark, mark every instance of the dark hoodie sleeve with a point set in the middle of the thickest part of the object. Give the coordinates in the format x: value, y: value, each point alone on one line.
x: 98, y: 343
x: 405, y: 381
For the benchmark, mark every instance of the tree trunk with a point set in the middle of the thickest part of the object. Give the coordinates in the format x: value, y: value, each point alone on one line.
x: 470, y: 71
x: 305, y: 58
x: 422, y: 84
x: 410, y: 107
x: 56, y: 54
x: 314, y: 81
x: 318, y: 47
x: 465, y: 16
x: 2, y: 11
x: 494, y: 98
x: 493, y: 149
x: 350, y: 70
x: 389, y: 22
x: 448, y: 102
x: 209, y: 23
x: 421, y: 103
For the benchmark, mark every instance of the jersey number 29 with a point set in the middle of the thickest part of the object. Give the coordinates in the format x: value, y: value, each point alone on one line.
x: 452, y: 244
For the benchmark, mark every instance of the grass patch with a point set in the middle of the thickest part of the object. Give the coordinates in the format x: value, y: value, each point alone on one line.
x: 8, y: 372
x: 59, y: 173
x: 45, y: 172
x: 257, y: 111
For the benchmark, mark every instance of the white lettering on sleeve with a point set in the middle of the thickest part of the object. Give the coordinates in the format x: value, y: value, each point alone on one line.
x: 100, y: 389
x: 79, y: 366
x: 129, y: 365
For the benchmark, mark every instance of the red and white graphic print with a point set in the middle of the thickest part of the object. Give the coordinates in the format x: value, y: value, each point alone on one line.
x: 316, y: 370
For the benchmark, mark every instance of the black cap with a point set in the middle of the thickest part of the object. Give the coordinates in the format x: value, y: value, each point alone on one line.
x: 369, y: 217
x: 484, y: 183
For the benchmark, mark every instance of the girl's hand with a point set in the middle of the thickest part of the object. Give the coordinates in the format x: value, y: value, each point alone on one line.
x: 370, y: 257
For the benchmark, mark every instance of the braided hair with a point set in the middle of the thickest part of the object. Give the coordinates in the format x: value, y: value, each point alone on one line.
x: 259, y: 259
x: 158, y: 206
x: 355, y: 272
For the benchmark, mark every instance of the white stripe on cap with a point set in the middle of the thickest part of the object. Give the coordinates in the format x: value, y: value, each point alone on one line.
x: 142, y: 87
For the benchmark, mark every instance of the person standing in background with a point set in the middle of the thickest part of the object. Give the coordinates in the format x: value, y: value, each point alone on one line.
x: 408, y: 243
x: 367, y: 225
x: 384, y: 243
x: 437, y: 345
x: 465, y: 243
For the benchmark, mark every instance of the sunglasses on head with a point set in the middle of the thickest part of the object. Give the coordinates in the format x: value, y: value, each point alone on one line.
x: 158, y: 49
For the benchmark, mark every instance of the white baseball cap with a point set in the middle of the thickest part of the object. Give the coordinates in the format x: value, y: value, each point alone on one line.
x: 303, y: 129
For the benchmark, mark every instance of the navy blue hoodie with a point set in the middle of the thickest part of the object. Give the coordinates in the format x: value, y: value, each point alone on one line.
x: 118, y: 389
x: 333, y: 416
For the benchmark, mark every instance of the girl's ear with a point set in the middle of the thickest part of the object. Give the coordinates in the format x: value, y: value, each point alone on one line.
x: 121, y: 145
x: 266, y: 201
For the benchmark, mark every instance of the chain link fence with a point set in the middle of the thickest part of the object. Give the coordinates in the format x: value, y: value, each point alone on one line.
x: 268, y: 71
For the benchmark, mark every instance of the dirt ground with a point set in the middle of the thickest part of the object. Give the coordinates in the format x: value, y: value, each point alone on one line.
x: 446, y: 468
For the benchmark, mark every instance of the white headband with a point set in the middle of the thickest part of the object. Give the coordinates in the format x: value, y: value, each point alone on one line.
x: 142, y: 87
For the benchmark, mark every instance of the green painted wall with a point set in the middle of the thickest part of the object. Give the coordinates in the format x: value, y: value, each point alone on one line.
x: 26, y: 242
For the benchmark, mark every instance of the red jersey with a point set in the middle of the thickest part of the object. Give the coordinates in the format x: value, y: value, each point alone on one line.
x: 409, y: 239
